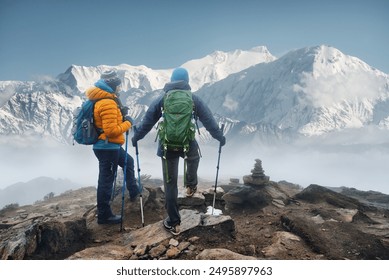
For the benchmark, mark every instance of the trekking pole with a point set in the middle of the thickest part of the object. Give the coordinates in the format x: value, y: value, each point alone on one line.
x: 139, y: 182
x: 124, y: 183
x: 217, y: 172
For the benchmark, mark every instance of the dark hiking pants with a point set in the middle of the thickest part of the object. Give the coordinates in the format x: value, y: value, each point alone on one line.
x: 170, y: 177
x: 108, y: 163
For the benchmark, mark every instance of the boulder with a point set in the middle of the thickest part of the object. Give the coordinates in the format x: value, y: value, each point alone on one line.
x: 222, y: 254
x: 103, y: 252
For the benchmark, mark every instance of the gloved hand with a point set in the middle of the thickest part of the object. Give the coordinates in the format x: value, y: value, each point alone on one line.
x: 134, y: 141
x: 131, y: 120
x: 222, y: 141
x: 124, y: 110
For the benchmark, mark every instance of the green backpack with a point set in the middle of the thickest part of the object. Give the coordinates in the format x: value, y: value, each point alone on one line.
x: 177, y: 128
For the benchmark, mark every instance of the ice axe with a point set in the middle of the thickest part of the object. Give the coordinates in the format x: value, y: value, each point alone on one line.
x: 217, y: 171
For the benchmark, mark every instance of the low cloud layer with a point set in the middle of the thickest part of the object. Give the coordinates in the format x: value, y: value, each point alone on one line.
x: 360, y: 166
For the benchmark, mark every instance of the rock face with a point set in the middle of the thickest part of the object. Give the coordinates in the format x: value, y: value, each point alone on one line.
x: 272, y: 221
x: 47, y: 230
x: 338, y: 225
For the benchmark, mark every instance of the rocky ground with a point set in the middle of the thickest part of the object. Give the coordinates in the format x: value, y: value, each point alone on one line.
x: 274, y: 220
x: 255, y: 229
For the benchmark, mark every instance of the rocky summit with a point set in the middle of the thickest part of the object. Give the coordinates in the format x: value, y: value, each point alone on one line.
x: 255, y: 219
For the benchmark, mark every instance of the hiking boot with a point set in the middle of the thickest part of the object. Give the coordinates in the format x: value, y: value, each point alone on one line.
x: 114, y: 219
x: 190, y: 191
x: 175, y: 230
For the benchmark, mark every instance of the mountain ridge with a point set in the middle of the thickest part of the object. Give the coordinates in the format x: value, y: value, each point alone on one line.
x: 311, y: 91
x: 204, y: 70
x: 306, y: 96
x: 26, y: 193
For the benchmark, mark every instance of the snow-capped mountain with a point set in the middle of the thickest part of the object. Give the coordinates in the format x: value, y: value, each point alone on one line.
x: 38, y: 109
x: 310, y: 91
x: 45, y: 107
x: 219, y: 65
x: 209, y: 69
x: 80, y: 78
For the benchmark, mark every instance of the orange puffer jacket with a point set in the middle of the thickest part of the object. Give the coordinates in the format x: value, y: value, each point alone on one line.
x: 108, y: 116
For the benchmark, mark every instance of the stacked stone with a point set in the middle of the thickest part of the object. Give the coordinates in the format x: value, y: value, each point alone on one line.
x: 257, y: 177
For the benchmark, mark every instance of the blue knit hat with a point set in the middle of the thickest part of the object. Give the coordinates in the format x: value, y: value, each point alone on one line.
x: 180, y: 74
x: 111, y: 78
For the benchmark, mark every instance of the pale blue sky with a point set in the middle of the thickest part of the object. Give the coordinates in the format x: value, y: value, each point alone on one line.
x: 43, y: 37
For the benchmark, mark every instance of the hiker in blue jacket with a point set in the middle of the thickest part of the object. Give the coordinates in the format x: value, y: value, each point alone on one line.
x: 179, y: 81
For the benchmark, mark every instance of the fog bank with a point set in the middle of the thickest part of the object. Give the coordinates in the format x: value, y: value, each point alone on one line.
x: 358, y: 167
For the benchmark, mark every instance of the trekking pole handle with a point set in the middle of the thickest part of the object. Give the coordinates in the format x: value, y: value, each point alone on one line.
x: 136, y: 145
x: 220, y: 146
x: 222, y: 128
x: 136, y: 149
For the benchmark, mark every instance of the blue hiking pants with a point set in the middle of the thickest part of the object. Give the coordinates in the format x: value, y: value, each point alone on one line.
x: 109, y: 160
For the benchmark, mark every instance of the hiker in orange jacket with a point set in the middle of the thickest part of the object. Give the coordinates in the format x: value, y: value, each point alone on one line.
x: 108, y: 149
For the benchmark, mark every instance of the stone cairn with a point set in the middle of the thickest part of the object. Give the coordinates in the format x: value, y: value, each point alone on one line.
x: 257, y: 177
x: 250, y: 194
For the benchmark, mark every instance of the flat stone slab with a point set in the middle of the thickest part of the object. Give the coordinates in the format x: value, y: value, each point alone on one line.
x: 212, y: 220
x: 256, y: 181
x: 154, y: 234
